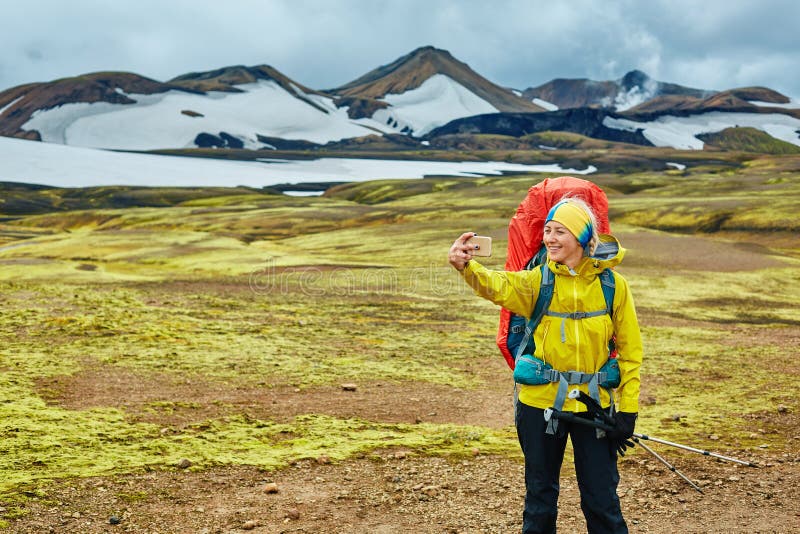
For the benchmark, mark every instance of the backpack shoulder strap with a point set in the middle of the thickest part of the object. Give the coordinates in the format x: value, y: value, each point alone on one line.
x: 609, y: 286
x: 540, y: 308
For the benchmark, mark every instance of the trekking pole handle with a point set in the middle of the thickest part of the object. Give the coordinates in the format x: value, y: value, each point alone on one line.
x: 592, y: 406
x: 549, y: 413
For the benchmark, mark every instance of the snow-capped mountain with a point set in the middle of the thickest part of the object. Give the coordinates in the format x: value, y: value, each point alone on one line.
x: 426, y: 89
x: 422, y: 95
x: 235, y: 107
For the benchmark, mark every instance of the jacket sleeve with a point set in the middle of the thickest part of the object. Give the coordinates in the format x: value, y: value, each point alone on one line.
x: 515, y: 291
x: 629, y: 346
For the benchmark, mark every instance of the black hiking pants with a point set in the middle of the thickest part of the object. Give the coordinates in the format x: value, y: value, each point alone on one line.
x: 595, y: 467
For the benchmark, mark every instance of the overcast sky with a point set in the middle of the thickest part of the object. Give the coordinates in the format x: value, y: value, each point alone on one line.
x: 709, y: 44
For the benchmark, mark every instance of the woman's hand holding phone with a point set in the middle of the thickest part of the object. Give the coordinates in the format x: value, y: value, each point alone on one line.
x: 467, y: 245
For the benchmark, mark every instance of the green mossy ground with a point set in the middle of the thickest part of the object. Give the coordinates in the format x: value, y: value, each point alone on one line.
x: 273, y: 291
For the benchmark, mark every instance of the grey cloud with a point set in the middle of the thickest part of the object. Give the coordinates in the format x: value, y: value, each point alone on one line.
x: 713, y: 44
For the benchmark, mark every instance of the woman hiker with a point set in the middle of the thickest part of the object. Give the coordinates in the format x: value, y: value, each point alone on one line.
x: 568, y: 339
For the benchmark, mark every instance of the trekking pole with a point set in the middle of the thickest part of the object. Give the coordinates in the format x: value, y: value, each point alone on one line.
x: 669, y: 465
x: 572, y: 418
x: 692, y: 449
x: 594, y: 407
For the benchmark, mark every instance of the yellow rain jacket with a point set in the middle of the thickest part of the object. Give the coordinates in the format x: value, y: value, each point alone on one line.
x: 584, y: 346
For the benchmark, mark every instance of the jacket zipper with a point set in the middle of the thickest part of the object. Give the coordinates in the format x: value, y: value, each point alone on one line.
x: 575, y: 322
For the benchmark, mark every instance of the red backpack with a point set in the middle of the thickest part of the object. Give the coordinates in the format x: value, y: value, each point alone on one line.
x: 525, y: 231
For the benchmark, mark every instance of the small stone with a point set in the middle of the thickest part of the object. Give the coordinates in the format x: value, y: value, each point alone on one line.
x: 782, y: 408
x: 270, y: 487
x: 349, y: 387
x: 430, y: 491
x: 249, y: 525
x: 184, y: 463
x: 400, y: 454
x: 323, y: 460
x: 733, y: 478
x: 676, y: 417
x: 713, y: 437
x: 292, y: 513
x: 76, y: 515
x: 476, y: 451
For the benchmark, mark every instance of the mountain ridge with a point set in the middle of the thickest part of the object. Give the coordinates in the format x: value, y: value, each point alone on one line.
x: 409, y: 72
x: 632, y: 88
x: 423, y: 94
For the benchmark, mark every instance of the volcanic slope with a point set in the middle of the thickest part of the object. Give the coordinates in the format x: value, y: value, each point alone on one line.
x: 425, y: 89
x: 633, y: 89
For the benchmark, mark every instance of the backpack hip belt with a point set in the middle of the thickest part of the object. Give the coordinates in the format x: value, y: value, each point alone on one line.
x: 572, y: 378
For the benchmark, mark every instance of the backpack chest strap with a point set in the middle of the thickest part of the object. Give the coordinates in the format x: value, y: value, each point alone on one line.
x: 575, y: 316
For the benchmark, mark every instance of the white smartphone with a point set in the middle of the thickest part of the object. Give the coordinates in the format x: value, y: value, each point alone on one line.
x: 484, y: 245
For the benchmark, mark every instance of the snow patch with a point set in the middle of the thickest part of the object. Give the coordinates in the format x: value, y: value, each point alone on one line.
x: 68, y: 166
x: 10, y: 104
x: 679, y: 166
x: 793, y: 104
x: 549, y: 106
x: 518, y: 93
x: 439, y: 100
x: 155, y: 121
x: 680, y: 132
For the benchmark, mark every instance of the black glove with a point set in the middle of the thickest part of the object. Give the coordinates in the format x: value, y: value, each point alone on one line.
x: 620, y: 435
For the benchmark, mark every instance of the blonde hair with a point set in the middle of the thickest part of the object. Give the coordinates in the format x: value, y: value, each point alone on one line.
x: 594, y: 241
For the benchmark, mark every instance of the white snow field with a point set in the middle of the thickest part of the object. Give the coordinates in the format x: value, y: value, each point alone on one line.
x: 66, y: 166
x: 549, y: 106
x: 680, y: 132
x: 439, y: 100
x: 156, y: 121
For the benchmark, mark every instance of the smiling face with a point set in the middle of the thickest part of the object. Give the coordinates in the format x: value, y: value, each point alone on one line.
x: 562, y: 246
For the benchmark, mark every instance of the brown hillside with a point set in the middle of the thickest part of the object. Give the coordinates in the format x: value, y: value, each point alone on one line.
x: 667, y: 103
x: 733, y: 100
x: 759, y: 94
x: 410, y: 71
x: 573, y: 93
x: 738, y: 100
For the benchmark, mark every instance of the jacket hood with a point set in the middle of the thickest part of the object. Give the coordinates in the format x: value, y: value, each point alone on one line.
x: 609, y: 254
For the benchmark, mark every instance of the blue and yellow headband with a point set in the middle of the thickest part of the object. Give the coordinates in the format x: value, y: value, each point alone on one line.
x: 574, y: 218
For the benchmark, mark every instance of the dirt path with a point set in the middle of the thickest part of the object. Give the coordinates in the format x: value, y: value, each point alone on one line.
x: 390, y: 491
